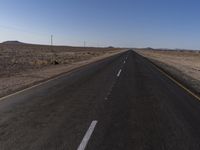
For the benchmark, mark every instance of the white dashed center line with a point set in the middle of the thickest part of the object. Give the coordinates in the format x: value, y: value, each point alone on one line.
x: 87, y: 136
x: 118, y: 74
x: 124, y: 61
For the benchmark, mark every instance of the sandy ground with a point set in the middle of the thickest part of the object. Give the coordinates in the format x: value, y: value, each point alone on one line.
x: 24, y: 65
x: 184, y: 65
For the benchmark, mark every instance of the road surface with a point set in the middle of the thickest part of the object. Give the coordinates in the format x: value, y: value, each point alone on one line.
x: 119, y: 103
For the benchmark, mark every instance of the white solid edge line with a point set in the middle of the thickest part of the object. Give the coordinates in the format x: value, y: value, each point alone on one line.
x: 31, y: 87
x: 118, y: 74
x: 87, y: 136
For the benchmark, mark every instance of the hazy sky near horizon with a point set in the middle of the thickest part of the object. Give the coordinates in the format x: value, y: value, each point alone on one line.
x: 125, y: 23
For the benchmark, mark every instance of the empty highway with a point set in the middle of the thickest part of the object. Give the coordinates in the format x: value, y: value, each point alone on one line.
x: 119, y: 103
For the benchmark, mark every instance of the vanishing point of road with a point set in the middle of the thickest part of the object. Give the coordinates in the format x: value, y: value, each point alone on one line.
x: 119, y: 103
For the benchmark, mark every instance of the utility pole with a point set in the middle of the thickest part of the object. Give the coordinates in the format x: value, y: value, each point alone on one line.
x: 84, y: 44
x: 51, y: 40
x: 54, y: 55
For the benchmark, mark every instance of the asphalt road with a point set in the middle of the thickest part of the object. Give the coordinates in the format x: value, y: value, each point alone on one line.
x: 119, y: 103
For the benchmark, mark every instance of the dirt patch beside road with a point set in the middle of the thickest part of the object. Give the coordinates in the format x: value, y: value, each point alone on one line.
x: 183, y: 65
x: 25, y: 65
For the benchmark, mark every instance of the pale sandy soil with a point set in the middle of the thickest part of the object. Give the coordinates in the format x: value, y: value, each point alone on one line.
x: 184, y: 65
x: 23, y: 66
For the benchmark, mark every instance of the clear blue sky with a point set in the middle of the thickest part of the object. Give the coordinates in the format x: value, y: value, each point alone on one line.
x: 130, y: 23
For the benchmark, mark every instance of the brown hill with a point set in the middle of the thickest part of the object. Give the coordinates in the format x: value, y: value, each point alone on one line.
x: 13, y: 43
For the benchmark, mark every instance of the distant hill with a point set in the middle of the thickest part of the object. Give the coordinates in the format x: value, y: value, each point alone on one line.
x: 13, y: 43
